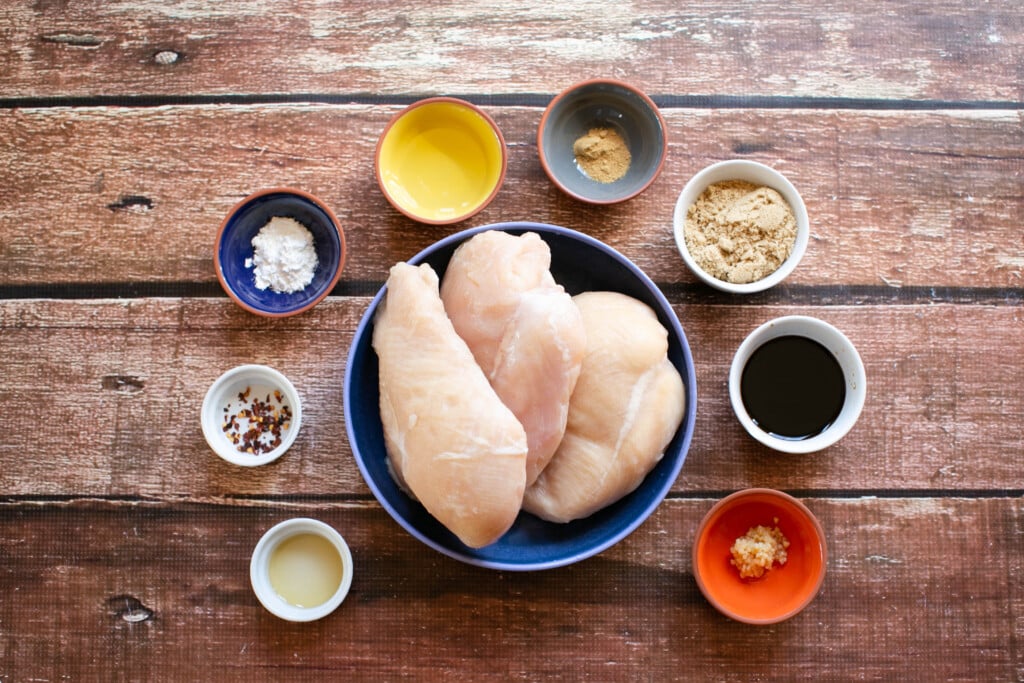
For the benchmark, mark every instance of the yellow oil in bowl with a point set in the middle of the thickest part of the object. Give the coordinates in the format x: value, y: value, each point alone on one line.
x: 440, y: 160
x: 306, y: 570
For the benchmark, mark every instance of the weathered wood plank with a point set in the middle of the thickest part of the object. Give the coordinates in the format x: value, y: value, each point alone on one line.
x: 916, y: 589
x: 895, y: 199
x: 931, y: 50
x: 104, y: 398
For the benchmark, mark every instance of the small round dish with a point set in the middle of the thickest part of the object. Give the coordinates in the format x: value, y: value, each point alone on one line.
x: 785, y: 589
x: 602, y: 104
x: 312, y: 567
x: 845, y: 354
x: 251, y: 387
x: 757, y: 174
x: 440, y: 160
x: 578, y: 263
x: 233, y: 251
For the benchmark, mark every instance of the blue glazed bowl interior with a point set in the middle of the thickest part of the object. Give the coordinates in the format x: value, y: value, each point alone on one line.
x: 579, y: 263
x: 602, y: 105
x: 235, y: 247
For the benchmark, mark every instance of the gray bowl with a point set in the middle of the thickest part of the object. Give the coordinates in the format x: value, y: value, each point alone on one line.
x: 602, y: 103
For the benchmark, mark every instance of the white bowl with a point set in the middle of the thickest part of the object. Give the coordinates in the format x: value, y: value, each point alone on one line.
x: 758, y: 174
x: 259, y: 569
x: 849, y: 362
x: 224, y: 392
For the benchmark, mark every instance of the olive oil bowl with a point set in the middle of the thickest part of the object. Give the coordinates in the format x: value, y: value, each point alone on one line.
x: 797, y: 384
x: 440, y: 160
x: 301, y: 569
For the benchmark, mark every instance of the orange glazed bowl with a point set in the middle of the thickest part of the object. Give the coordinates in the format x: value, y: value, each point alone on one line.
x: 785, y: 589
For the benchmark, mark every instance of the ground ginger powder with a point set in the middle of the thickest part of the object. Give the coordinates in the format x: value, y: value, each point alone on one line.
x: 602, y: 154
x: 738, y: 232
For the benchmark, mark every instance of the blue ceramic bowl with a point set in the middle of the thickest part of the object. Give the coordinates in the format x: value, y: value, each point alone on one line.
x: 609, y: 104
x: 579, y: 263
x: 234, y: 246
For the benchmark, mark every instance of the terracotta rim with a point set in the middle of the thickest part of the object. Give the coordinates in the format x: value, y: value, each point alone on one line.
x: 600, y: 81
x: 432, y: 100
x: 729, y: 500
x: 262, y: 193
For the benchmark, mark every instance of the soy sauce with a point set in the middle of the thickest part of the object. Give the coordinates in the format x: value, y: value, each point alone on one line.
x: 792, y: 387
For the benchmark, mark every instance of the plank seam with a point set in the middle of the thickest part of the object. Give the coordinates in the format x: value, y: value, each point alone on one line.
x: 664, y: 101
x: 677, y: 292
x: 820, y: 494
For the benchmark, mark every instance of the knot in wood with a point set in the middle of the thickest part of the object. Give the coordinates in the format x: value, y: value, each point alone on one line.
x: 165, y: 57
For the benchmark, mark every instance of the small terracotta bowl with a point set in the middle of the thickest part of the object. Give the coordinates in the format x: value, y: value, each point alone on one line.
x: 602, y: 103
x: 440, y: 160
x: 782, y: 591
x: 233, y: 251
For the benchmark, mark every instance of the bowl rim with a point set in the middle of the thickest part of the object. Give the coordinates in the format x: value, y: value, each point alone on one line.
x: 686, y: 429
x: 416, y: 105
x: 729, y: 501
x: 210, y: 415
x: 258, y: 568
x: 717, y: 172
x: 564, y: 94
x: 838, y: 344
x: 280, y: 190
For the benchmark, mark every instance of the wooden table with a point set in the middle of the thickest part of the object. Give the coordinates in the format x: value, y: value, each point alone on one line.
x: 127, y: 131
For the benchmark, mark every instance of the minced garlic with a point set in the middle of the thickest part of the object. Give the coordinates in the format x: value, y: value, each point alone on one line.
x: 756, y: 551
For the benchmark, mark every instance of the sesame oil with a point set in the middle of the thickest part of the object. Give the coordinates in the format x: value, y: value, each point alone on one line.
x: 306, y: 570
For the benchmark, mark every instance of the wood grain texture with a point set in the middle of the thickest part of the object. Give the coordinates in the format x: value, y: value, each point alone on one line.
x: 805, y: 49
x: 914, y: 199
x: 161, y: 592
x: 107, y: 396
x: 129, y: 128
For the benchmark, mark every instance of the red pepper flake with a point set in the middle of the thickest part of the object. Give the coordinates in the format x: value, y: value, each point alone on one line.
x: 256, y: 426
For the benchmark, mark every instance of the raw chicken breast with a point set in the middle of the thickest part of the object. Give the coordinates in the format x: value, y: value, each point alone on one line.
x: 536, y: 369
x: 628, y: 403
x: 482, y: 287
x: 523, y: 329
x: 451, y: 442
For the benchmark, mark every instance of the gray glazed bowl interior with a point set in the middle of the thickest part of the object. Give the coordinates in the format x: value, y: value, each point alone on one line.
x: 601, y: 103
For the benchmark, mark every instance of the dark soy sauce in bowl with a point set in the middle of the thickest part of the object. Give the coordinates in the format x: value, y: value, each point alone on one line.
x: 793, y: 387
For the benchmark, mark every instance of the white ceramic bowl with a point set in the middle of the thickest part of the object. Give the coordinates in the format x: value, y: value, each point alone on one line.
x: 838, y: 345
x: 758, y: 174
x: 224, y: 392
x: 259, y: 569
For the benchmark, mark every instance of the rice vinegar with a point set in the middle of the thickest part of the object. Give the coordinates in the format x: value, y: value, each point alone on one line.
x: 306, y: 570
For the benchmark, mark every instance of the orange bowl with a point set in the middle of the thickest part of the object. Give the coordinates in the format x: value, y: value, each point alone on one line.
x: 783, y: 590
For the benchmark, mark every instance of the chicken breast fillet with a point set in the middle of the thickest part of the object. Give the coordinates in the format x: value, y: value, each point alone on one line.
x: 523, y: 329
x: 451, y: 442
x: 628, y: 403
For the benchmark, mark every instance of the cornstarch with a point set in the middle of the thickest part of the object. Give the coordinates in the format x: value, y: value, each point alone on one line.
x: 284, y: 257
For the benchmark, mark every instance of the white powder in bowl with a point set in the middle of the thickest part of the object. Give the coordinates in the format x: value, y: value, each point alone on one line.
x: 284, y: 257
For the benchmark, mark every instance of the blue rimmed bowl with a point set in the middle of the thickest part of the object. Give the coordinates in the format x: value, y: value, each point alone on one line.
x: 234, y: 247
x: 579, y: 263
